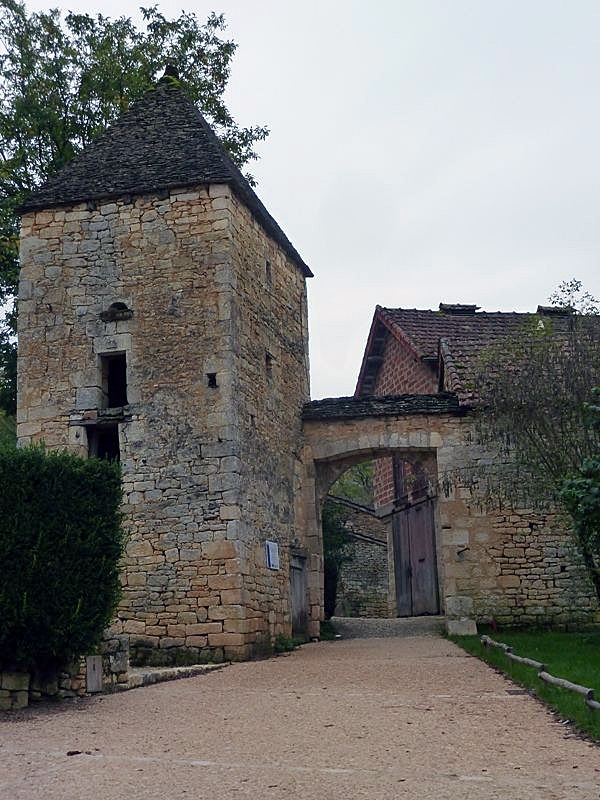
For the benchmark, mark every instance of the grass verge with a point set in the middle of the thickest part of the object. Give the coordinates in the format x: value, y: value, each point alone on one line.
x: 574, y: 656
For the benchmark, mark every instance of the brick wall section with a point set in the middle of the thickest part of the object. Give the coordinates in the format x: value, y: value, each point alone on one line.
x: 401, y: 372
x: 191, y: 556
x: 383, y: 481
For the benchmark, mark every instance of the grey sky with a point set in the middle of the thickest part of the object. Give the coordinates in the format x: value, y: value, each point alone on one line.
x: 420, y: 151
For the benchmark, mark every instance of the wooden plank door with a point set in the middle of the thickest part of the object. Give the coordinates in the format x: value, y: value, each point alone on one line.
x: 299, y: 595
x: 415, y: 567
x: 422, y: 559
x: 402, y: 567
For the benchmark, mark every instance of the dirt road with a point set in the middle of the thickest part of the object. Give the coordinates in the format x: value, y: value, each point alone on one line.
x: 375, y: 718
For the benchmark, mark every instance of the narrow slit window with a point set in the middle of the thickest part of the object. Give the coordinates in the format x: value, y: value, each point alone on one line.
x: 269, y: 365
x: 114, y: 379
x: 103, y: 442
x: 269, y: 273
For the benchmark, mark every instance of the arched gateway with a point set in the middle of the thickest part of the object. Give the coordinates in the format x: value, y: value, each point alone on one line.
x: 488, y: 563
x: 343, y: 431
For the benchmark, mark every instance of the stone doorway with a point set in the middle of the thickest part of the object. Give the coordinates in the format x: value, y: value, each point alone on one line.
x: 412, y: 531
x: 342, y: 432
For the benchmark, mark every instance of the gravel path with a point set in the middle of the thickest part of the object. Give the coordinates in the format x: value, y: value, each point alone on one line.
x: 376, y: 718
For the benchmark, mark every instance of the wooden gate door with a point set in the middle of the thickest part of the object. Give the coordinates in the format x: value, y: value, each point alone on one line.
x: 298, y: 595
x: 415, y: 565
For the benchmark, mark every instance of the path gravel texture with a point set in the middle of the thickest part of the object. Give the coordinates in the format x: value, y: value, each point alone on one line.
x: 375, y: 718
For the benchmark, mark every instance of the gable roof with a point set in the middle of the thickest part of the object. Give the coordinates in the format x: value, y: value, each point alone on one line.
x: 455, y: 337
x: 161, y: 142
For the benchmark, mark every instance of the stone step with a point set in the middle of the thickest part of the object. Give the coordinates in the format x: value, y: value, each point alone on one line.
x: 371, y: 627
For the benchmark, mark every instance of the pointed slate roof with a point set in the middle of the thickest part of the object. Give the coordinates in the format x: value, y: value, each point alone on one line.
x: 161, y: 142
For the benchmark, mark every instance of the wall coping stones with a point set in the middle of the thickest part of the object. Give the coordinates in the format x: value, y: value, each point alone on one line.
x: 393, y: 405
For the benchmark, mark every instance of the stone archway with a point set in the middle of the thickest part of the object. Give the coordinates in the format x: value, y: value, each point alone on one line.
x: 337, y: 438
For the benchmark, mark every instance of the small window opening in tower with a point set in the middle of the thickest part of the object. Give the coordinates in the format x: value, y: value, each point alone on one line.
x: 269, y: 273
x: 269, y: 365
x: 114, y: 379
x: 212, y: 380
x: 103, y: 442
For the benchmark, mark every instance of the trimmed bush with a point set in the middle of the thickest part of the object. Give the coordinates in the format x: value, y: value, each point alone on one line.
x: 60, y: 544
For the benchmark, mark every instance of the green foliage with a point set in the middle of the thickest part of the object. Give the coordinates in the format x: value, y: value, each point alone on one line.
x: 534, y: 415
x: 60, y: 543
x: 327, y: 633
x: 8, y: 372
x: 356, y: 484
x: 533, y: 390
x: 574, y: 656
x: 580, y: 495
x: 571, y: 296
x: 283, y: 644
x: 64, y: 80
x: 8, y: 431
x: 336, y: 549
x: 335, y: 535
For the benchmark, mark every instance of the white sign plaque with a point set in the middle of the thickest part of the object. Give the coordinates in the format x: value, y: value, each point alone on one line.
x: 272, y: 555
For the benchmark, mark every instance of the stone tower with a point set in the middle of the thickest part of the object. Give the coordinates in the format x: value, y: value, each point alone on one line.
x: 163, y: 320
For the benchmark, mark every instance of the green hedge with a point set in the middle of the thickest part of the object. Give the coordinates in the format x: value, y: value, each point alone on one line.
x: 60, y: 543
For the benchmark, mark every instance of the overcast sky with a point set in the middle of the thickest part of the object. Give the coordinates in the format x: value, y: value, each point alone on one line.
x: 420, y: 152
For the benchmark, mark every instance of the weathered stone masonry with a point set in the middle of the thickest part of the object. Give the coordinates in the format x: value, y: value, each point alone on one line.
x: 194, y: 572
x: 150, y: 258
x: 517, y: 568
x: 204, y: 296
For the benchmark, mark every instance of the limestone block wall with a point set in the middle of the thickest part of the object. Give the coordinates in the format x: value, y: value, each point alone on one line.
x: 169, y: 258
x: 519, y: 568
x: 363, y: 586
x: 272, y: 384
x: 362, y: 589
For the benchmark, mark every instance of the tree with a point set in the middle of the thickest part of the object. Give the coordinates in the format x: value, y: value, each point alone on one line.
x: 336, y: 543
x: 580, y: 495
x: 356, y: 484
x: 534, y: 393
x: 64, y: 80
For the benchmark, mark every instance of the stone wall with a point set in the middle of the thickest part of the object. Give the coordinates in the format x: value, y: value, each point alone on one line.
x: 194, y: 561
x: 517, y: 568
x: 18, y: 689
x: 272, y: 384
x: 362, y: 587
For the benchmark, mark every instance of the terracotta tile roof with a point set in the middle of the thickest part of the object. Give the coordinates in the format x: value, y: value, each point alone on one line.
x: 458, y: 336
x: 161, y: 142
x: 424, y: 329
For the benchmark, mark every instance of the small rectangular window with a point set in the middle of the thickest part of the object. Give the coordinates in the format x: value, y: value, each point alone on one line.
x: 114, y: 379
x: 212, y: 380
x: 103, y: 442
x: 269, y: 273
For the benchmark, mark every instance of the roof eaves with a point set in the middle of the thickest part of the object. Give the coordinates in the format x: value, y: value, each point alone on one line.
x: 367, y: 352
x: 399, y: 333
